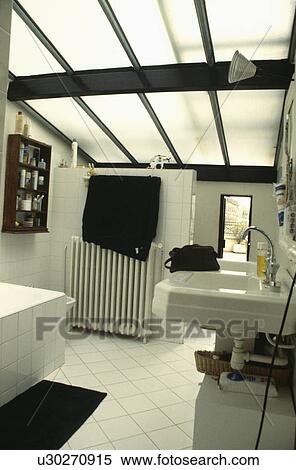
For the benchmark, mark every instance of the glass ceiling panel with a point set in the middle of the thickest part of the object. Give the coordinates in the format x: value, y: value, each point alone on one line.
x: 127, y: 118
x: 251, y: 123
x: 80, y: 31
x: 161, y: 32
x: 69, y: 118
x: 188, y: 119
x: 258, y: 29
x: 23, y: 47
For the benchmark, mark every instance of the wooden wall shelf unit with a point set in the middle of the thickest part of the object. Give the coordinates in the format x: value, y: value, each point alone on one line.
x: 24, y: 157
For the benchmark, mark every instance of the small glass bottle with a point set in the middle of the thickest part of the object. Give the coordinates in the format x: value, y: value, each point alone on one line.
x: 262, y: 253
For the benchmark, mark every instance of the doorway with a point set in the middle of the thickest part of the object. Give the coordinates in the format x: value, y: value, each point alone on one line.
x: 235, y: 217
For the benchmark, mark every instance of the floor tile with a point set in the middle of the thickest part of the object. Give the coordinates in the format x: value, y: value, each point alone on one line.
x: 89, y: 358
x: 148, y: 360
x: 113, y: 377
x: 115, y: 354
x: 137, y: 373
x: 72, y: 359
x: 159, y: 369
x: 187, y: 392
x: 137, y: 352
x: 156, y: 349
x: 187, y: 428
x: 173, y: 380
x: 105, y: 446
x: 136, y: 403
x: 87, y: 435
x: 182, y: 365
x: 140, y: 442
x: 179, y: 412
x: 105, y: 345
x: 120, y: 428
x: 107, y: 410
x: 173, y: 438
x: 75, y: 370
x: 124, y: 364
x: 103, y: 366
x: 122, y: 390
x: 152, y: 420
x: 84, y: 348
x: 164, y: 397
x: 151, y: 384
x: 85, y: 381
x: 168, y: 356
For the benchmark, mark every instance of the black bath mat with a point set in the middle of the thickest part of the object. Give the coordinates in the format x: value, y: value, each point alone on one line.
x: 46, y: 415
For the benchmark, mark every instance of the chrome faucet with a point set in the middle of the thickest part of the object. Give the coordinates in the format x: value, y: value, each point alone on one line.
x: 272, y: 265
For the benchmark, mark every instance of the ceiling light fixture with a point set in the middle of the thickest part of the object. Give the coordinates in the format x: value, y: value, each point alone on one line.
x: 242, y: 68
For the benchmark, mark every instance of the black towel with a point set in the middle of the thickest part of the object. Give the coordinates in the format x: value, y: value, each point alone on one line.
x: 121, y: 213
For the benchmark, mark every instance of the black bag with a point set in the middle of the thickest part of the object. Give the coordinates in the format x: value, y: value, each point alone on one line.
x: 192, y: 258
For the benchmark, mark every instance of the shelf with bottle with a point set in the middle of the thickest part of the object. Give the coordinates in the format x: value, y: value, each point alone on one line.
x: 26, y: 185
x: 33, y: 191
x: 33, y: 167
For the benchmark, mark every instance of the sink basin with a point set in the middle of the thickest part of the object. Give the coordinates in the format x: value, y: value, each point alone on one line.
x: 226, y: 295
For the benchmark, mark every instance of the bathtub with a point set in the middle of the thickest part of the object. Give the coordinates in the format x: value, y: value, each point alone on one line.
x: 31, y: 340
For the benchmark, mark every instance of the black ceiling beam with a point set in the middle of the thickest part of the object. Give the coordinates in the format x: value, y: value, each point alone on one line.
x: 202, y: 16
x: 239, y: 174
x: 34, y: 28
x: 222, y: 173
x: 161, y: 78
x: 107, y: 9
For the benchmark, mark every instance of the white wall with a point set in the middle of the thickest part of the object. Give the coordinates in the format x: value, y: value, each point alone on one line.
x: 25, y: 258
x: 5, y: 20
x: 264, y: 213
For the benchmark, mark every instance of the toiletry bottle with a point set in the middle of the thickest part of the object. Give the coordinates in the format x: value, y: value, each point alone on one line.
x: 26, y: 154
x: 27, y: 128
x: 42, y: 164
x: 35, y: 175
x: 74, y: 148
x: 22, y: 178
x: 261, y: 259
x: 19, y: 123
x: 28, y: 179
x: 21, y: 152
x: 35, y: 204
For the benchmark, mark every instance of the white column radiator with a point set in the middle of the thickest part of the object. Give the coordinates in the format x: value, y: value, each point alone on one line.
x: 113, y: 292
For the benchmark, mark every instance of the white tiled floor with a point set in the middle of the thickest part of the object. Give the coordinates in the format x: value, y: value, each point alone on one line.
x: 151, y: 388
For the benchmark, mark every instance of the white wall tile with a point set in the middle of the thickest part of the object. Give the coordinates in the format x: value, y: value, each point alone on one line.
x: 9, y: 327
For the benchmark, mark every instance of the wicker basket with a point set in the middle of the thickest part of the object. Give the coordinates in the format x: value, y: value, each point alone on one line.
x: 207, y: 365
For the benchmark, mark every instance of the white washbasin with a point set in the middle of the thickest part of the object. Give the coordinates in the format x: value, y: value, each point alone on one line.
x: 230, y: 296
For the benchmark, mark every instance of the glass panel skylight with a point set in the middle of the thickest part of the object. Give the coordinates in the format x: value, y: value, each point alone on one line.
x: 258, y: 29
x: 188, y: 119
x: 69, y: 118
x: 129, y: 121
x: 80, y: 31
x: 27, y: 55
x: 161, y: 32
x: 251, y: 123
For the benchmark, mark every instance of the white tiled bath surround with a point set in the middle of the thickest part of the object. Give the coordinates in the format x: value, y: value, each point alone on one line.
x: 24, y: 358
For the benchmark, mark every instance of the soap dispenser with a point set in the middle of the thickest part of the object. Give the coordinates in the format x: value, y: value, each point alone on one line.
x: 261, y: 259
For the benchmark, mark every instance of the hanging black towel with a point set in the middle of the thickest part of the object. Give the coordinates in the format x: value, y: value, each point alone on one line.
x: 121, y: 213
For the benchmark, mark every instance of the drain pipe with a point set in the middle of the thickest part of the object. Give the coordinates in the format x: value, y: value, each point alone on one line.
x: 240, y: 356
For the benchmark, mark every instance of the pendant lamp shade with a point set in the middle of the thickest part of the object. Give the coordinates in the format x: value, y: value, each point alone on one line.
x: 240, y: 68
